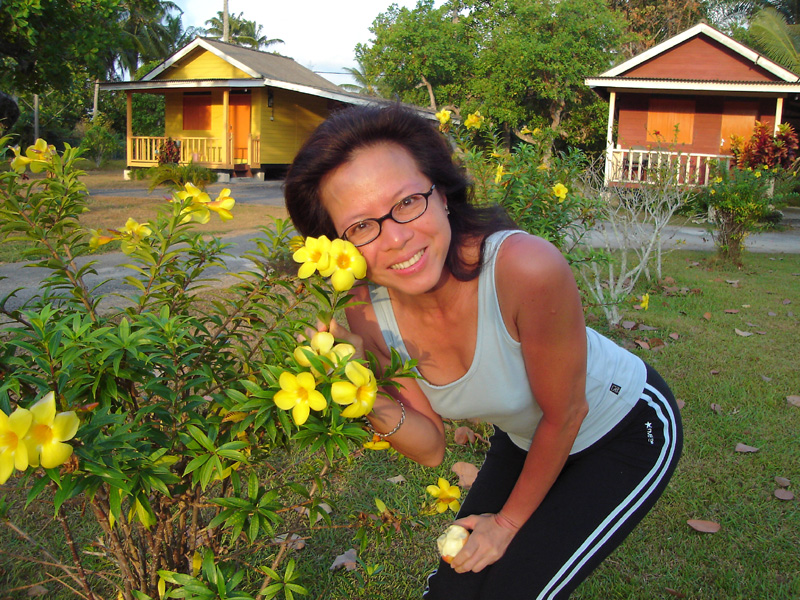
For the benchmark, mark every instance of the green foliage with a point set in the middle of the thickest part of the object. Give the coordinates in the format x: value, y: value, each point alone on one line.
x: 520, y: 62
x: 99, y: 141
x: 540, y: 192
x: 174, y: 390
x: 737, y: 200
x: 177, y: 176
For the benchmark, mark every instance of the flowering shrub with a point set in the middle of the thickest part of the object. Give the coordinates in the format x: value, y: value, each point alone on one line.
x: 175, y: 401
x: 765, y: 149
x: 539, y: 191
x: 736, y: 200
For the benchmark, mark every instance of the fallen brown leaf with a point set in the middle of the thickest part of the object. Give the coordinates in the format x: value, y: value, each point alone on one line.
x: 467, y: 472
x: 675, y: 336
x: 745, y: 448
x: 675, y: 593
x: 714, y: 371
x: 782, y: 481
x: 742, y: 333
x: 793, y: 400
x: 680, y: 403
x: 642, y: 344
x: 348, y: 560
x: 643, y: 327
x: 707, y: 316
x: 716, y: 408
x: 464, y: 435
x: 782, y: 494
x: 628, y: 325
x: 396, y: 479
x: 786, y: 301
x: 36, y: 590
x: 704, y: 526
x: 731, y: 311
x: 772, y: 314
x: 765, y: 378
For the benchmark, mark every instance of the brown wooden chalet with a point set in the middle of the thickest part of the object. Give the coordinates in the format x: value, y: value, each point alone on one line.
x: 679, y: 103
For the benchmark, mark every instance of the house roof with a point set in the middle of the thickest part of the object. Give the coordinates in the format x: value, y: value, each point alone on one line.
x: 263, y: 68
x: 754, y: 73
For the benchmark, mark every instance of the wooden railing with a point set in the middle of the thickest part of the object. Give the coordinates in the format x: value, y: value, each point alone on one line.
x: 635, y: 167
x: 143, y: 151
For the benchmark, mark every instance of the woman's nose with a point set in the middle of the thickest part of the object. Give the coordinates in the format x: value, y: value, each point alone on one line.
x: 396, y: 234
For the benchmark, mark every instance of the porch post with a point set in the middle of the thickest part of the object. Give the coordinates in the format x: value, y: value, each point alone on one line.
x: 129, y: 126
x: 612, y: 101
x: 226, y: 138
x: 778, y: 114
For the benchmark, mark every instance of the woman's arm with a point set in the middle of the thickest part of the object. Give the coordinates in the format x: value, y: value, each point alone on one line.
x: 541, y: 307
x: 421, y: 436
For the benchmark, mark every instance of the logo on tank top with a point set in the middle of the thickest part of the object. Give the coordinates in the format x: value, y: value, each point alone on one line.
x: 615, y: 389
x: 649, y: 427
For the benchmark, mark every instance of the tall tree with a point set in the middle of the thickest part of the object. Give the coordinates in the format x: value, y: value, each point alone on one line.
x: 650, y: 22
x: 521, y: 62
x: 366, y: 82
x: 243, y: 32
x: 776, y: 36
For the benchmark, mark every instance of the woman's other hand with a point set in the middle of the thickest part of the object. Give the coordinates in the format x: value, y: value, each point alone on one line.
x: 490, y: 536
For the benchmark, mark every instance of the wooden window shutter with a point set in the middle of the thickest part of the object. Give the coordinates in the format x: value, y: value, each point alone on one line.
x: 670, y: 120
x: 197, y: 111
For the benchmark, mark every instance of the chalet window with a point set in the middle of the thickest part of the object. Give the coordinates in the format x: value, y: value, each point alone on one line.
x: 197, y: 110
x: 738, y: 118
x: 670, y: 120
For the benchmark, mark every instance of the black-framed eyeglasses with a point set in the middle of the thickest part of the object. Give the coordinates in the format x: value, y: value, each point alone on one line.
x: 409, y: 208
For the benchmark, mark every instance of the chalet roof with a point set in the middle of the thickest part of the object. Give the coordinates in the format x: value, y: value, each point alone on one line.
x: 263, y: 68
x: 753, y: 72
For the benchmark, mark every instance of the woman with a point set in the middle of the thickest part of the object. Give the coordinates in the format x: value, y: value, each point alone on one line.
x: 586, y: 435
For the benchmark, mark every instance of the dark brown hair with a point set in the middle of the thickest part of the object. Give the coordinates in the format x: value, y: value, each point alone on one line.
x: 335, y: 141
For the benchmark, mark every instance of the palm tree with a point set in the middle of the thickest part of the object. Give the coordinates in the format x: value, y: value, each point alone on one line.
x: 366, y: 82
x: 242, y: 32
x: 778, y: 37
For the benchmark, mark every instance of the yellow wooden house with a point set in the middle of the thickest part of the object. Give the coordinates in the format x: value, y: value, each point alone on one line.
x: 231, y: 108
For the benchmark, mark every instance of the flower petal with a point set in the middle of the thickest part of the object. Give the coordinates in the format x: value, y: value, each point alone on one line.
x: 65, y: 426
x: 343, y: 392
x: 300, y: 413
x: 44, y: 411
x: 55, y: 454
x: 285, y: 400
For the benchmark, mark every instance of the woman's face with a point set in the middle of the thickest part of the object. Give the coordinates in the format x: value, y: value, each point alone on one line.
x: 408, y: 257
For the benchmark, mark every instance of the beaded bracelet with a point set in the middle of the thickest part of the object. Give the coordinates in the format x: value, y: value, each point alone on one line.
x: 396, y: 427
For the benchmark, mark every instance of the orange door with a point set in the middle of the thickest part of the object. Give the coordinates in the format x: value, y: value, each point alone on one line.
x: 239, y: 117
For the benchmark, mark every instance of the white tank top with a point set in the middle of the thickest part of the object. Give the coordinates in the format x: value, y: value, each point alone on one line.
x: 496, y: 389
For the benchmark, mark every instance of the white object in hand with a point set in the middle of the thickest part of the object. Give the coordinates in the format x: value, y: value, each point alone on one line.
x: 451, y: 542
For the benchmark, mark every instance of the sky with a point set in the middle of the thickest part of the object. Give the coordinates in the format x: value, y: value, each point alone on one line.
x: 319, y: 34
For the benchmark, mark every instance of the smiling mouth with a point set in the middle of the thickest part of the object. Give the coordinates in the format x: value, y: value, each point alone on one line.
x: 411, y: 261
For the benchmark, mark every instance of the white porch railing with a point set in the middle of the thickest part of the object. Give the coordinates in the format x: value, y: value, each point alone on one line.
x: 636, y: 166
x: 143, y: 151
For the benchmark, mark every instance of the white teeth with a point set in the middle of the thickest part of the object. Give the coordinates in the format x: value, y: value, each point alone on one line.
x: 409, y: 262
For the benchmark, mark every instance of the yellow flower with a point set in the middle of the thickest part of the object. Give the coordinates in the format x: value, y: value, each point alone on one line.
x: 542, y: 167
x: 133, y: 233
x: 346, y: 265
x: 446, y: 495
x: 525, y: 130
x: 358, y: 394
x: 296, y: 242
x: 13, y: 451
x: 298, y: 393
x: 645, y: 303
x: 37, y: 156
x: 314, y: 256
x: 98, y: 239
x: 223, y: 205
x: 322, y: 344
x: 712, y: 191
x: 376, y: 443
x: 198, y: 209
x: 443, y: 116
x: 757, y: 174
x: 560, y: 191
x: 474, y: 121
x: 498, y: 176
x: 718, y: 180
x: 536, y: 131
x: 48, y: 432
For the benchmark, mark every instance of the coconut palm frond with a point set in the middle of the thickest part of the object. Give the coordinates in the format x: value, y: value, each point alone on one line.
x: 776, y: 38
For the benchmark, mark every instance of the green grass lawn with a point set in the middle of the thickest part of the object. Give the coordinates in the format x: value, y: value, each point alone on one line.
x: 745, y: 377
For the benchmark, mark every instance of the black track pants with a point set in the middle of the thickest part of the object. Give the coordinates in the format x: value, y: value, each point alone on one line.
x: 597, y: 500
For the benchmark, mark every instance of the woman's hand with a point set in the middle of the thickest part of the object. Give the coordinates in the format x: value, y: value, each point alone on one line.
x: 487, y: 542
x: 339, y: 332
